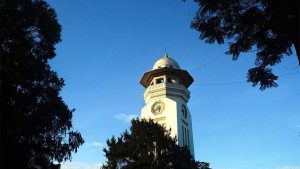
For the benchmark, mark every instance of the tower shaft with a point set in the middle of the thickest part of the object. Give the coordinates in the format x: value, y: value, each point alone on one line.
x: 166, y: 99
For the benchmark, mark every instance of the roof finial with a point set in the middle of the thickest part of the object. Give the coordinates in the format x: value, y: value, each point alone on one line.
x: 166, y: 55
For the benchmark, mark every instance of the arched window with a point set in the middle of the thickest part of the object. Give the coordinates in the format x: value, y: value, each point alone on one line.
x: 184, y: 112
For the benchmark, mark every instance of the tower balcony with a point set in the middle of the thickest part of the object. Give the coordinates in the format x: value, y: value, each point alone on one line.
x: 166, y: 89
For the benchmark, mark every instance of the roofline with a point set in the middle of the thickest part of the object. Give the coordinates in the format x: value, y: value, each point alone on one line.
x: 186, y: 78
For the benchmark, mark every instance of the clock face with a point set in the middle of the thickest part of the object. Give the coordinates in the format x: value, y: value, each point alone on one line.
x: 158, y: 107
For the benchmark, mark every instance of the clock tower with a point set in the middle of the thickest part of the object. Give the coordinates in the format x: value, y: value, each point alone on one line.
x: 166, y: 99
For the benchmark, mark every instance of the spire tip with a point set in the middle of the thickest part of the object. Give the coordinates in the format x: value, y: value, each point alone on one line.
x: 166, y: 55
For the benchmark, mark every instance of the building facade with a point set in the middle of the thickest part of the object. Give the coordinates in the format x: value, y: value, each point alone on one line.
x: 166, y: 99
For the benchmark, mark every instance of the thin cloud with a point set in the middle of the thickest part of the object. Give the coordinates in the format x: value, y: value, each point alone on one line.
x: 125, y: 117
x: 96, y: 144
x: 80, y: 165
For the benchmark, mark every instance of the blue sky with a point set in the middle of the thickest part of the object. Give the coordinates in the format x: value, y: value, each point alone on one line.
x: 108, y: 45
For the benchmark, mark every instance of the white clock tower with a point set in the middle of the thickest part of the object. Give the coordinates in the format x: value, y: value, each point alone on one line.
x: 166, y: 98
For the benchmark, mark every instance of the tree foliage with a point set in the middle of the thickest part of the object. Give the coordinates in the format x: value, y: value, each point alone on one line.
x: 149, y: 146
x: 36, y: 126
x: 270, y: 27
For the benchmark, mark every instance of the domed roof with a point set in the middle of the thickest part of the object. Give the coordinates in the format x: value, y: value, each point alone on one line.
x: 166, y: 62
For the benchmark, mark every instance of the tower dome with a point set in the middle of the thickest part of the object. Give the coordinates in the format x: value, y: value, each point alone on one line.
x: 166, y: 62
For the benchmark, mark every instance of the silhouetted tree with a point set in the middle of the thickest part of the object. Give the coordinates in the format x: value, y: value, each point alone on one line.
x: 271, y: 27
x: 148, y: 146
x: 36, y: 126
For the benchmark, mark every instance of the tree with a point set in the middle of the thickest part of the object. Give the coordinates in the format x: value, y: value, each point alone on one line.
x: 148, y: 146
x: 271, y: 27
x: 36, y: 124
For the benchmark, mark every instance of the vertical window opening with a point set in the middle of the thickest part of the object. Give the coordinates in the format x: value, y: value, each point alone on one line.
x: 188, y: 138
x: 183, y: 136
x: 184, y: 112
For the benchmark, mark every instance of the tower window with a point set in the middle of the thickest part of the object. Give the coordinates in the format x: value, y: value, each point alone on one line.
x: 184, y: 112
x: 188, y: 138
x: 160, y: 80
x: 171, y: 80
x: 184, y: 136
x: 183, y: 140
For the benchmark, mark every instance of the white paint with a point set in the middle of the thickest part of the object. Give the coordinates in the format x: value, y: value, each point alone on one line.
x: 174, y: 96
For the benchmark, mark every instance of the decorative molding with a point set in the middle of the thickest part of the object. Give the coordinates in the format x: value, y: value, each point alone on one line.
x: 168, y: 89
